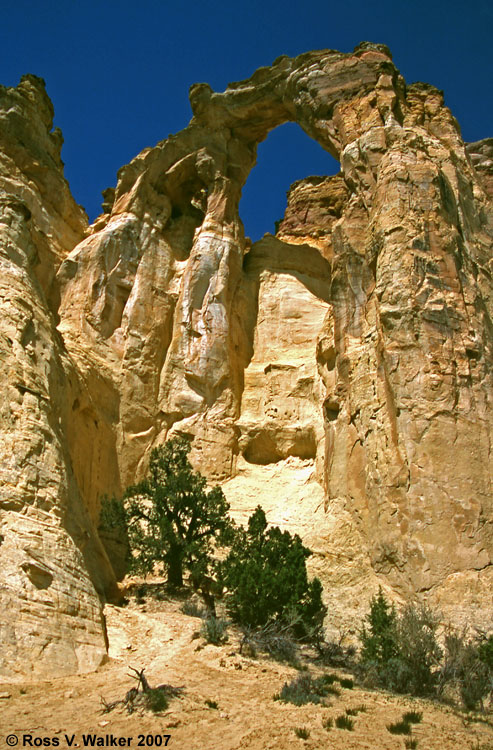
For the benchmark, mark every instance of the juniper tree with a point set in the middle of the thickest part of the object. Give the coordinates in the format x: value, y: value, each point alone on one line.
x: 379, y: 634
x: 171, y: 519
x: 266, y: 579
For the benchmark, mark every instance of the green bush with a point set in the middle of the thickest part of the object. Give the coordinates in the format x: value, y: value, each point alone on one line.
x: 266, y: 580
x: 302, y: 690
x: 419, y: 651
x: 379, y: 634
x: 400, y: 651
x: 468, y: 668
x: 346, y: 683
x: 485, y: 650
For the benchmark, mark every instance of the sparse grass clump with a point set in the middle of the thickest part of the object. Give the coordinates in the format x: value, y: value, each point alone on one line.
x: 346, y: 683
x: 302, y: 732
x: 345, y: 722
x: 211, y: 704
x: 299, y: 691
x: 356, y: 710
x: 192, y: 609
x: 325, y: 685
x: 156, y: 700
x: 274, y: 638
x: 413, y: 717
x: 334, y: 654
x: 328, y: 723
x: 213, y: 631
x: 411, y: 743
x: 331, y: 690
x: 329, y: 678
x: 404, y: 726
x: 400, y: 727
x: 304, y: 689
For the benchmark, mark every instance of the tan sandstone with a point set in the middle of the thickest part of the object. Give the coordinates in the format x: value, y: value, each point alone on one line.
x: 339, y: 373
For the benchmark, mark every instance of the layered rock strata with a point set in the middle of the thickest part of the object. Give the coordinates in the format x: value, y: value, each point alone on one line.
x: 339, y: 373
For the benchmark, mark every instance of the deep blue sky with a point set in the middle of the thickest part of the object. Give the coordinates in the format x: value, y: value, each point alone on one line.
x: 118, y: 72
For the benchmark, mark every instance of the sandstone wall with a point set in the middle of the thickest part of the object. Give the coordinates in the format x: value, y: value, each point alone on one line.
x: 53, y: 568
x: 338, y: 373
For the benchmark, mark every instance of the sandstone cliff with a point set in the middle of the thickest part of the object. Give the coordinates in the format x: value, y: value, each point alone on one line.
x: 339, y: 373
x: 54, y: 569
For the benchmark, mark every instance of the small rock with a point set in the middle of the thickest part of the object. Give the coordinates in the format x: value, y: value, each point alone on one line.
x: 103, y: 723
x: 223, y: 715
x: 4, y: 695
x: 69, y: 694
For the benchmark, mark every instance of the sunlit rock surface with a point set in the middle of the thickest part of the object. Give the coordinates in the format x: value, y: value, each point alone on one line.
x: 339, y: 373
x: 53, y: 567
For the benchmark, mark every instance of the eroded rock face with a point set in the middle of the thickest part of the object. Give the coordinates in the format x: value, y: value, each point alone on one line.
x: 338, y: 373
x: 53, y: 567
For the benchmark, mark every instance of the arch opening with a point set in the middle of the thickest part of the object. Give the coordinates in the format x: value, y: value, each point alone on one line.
x: 288, y: 154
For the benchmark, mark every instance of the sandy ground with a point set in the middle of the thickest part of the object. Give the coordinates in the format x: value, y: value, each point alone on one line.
x: 158, y: 637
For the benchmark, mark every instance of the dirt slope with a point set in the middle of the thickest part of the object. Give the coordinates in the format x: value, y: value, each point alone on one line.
x: 157, y: 636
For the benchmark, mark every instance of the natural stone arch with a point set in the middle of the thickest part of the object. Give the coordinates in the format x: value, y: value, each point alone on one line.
x: 191, y: 186
x: 180, y: 340
x: 152, y: 340
x: 317, y: 91
x: 287, y: 156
